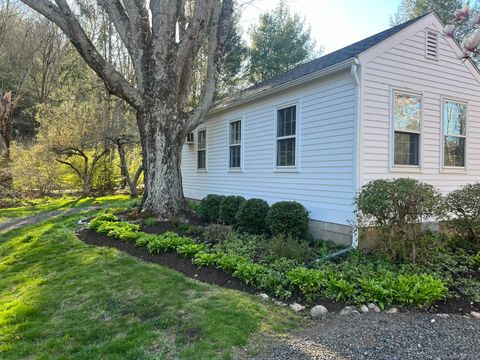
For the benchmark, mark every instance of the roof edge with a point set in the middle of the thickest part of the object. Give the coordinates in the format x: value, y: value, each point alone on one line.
x: 299, y: 81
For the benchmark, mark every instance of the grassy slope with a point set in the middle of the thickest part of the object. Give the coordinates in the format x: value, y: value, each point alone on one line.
x: 60, y: 298
x: 67, y: 202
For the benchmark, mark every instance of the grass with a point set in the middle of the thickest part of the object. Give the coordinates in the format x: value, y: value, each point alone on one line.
x: 61, y: 298
x: 41, y: 205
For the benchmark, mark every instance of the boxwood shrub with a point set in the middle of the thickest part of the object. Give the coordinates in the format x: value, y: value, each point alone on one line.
x: 252, y: 215
x: 464, y: 205
x: 288, y: 218
x: 209, y: 209
x: 229, y: 209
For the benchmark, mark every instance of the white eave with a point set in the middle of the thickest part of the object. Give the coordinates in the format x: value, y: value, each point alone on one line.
x: 275, y: 89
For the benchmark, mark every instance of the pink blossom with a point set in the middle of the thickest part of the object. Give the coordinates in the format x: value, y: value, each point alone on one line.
x: 449, y: 31
x: 461, y: 14
x: 472, y: 42
x: 464, y: 55
x: 476, y: 19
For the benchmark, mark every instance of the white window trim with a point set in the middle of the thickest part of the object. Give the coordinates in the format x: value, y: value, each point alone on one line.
x: 202, y: 170
x: 242, y: 134
x: 405, y: 168
x: 443, y: 167
x: 296, y: 167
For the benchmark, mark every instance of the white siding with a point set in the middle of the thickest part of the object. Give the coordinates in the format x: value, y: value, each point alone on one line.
x: 324, y: 182
x: 404, y: 66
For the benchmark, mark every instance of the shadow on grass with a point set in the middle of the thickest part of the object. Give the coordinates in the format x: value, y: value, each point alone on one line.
x: 64, y: 299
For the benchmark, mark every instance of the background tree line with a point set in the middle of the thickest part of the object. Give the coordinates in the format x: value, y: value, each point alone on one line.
x: 98, y: 149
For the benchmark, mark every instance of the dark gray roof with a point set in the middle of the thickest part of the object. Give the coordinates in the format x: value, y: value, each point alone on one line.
x: 320, y: 63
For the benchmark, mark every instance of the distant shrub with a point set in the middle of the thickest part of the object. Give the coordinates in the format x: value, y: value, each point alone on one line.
x: 209, y: 209
x: 215, y: 233
x: 229, y: 209
x: 252, y: 215
x: 286, y: 246
x: 288, y: 218
x: 397, y: 208
x: 464, y: 204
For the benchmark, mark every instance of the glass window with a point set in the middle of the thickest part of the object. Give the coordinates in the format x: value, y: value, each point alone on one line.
x: 286, y: 136
x: 235, y: 136
x: 454, y: 125
x: 202, y: 150
x: 407, y: 126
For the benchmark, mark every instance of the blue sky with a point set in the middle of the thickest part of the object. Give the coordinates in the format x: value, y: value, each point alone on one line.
x: 336, y: 23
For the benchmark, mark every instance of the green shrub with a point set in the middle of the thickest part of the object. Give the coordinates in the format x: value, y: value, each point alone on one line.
x: 229, y: 209
x: 168, y: 241
x: 151, y: 221
x: 252, y: 215
x: 190, y: 249
x: 288, y: 218
x: 194, y: 206
x: 249, y: 273
x: 120, y: 230
x: 215, y: 233
x: 144, y: 239
x: 464, y: 205
x: 286, y: 246
x: 98, y: 220
x: 397, y: 208
x: 229, y: 262
x: 209, y: 209
x: 250, y: 246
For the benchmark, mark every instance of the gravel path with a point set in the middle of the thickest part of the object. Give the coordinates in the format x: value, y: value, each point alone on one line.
x: 29, y: 220
x: 401, y: 336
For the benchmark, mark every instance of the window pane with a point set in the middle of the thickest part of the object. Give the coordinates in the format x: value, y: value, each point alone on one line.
x: 406, y: 148
x: 235, y: 132
x: 407, y: 112
x: 454, y: 154
x: 454, y: 118
x: 286, y: 152
x: 202, y: 140
x: 235, y: 156
x: 286, y: 121
x: 201, y: 159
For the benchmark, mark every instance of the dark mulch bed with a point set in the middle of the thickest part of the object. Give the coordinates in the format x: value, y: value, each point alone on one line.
x: 171, y: 260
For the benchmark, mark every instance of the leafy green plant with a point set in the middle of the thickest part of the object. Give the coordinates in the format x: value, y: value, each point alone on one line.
x: 286, y: 246
x: 151, y: 221
x: 190, y: 249
x: 120, y: 230
x: 252, y: 215
x: 229, y: 209
x: 288, y: 218
x: 167, y: 242
x: 144, y: 239
x: 249, y: 273
x: 206, y: 259
x: 100, y: 219
x: 251, y: 246
x: 215, y: 233
x: 229, y: 262
x: 194, y: 205
x: 464, y: 205
x: 209, y: 209
x: 310, y: 282
x: 397, y: 208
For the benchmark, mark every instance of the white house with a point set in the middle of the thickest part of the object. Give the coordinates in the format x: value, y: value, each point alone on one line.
x: 397, y: 104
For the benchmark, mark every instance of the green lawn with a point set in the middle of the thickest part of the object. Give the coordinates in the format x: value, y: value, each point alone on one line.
x: 61, y: 298
x: 51, y: 204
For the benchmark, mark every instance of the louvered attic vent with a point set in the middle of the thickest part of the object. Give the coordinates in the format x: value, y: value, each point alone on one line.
x: 431, y: 44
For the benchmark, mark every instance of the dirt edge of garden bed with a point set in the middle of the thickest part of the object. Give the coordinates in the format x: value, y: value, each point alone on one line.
x: 221, y: 278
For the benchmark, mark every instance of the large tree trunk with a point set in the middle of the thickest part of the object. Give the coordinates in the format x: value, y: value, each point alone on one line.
x: 162, y: 143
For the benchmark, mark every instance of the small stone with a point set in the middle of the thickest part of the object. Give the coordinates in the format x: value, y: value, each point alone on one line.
x: 432, y: 321
x: 392, y: 311
x: 279, y: 303
x: 297, y: 307
x: 318, y: 312
x: 475, y: 314
x: 364, y: 308
x: 355, y: 312
x: 374, y: 307
x: 264, y: 297
x: 347, y: 310
x: 444, y: 316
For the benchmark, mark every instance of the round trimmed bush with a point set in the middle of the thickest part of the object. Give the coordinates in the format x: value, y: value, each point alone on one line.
x: 288, y: 218
x: 252, y: 215
x: 464, y: 205
x: 209, y: 209
x: 229, y: 209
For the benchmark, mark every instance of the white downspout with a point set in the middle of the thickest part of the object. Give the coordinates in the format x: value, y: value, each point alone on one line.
x: 357, y: 127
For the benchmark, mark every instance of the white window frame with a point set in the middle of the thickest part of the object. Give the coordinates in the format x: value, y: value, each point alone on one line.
x: 399, y: 167
x: 229, y: 145
x: 205, y: 169
x: 450, y: 168
x: 287, y: 168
